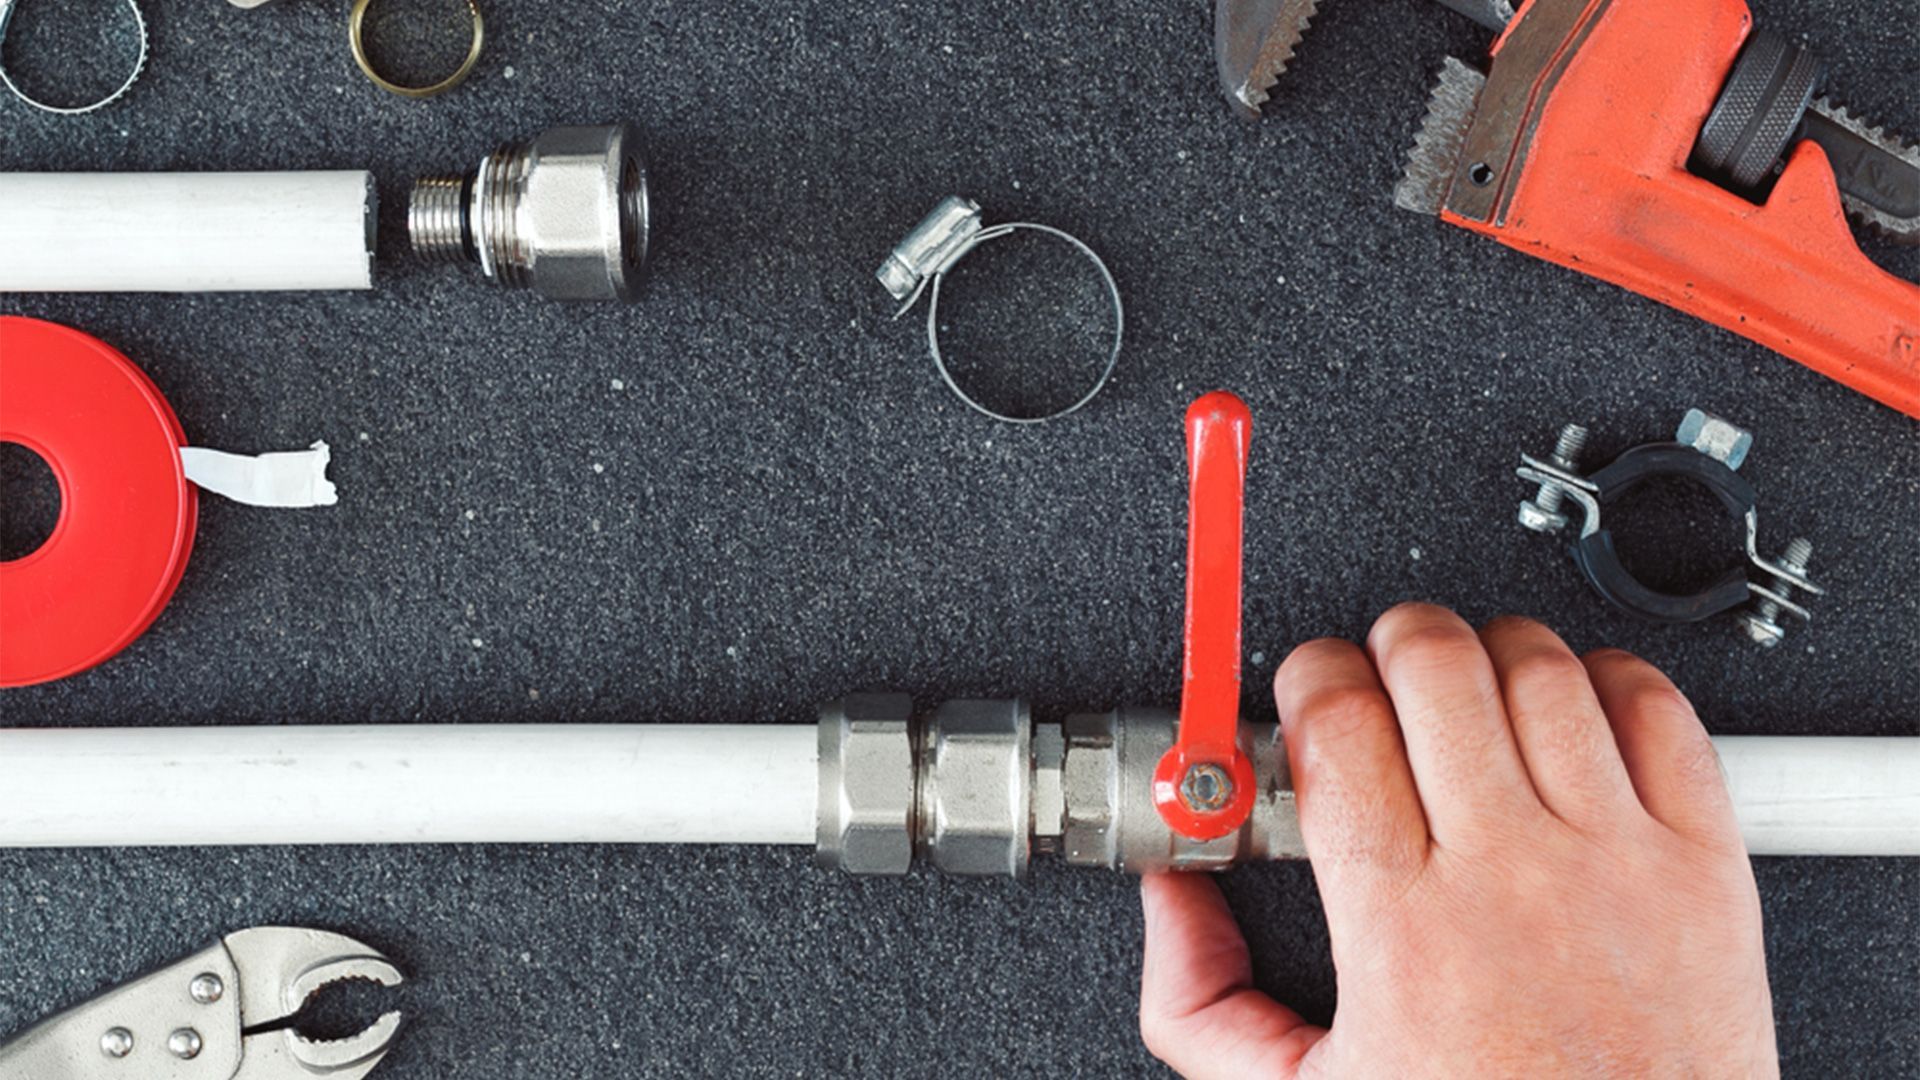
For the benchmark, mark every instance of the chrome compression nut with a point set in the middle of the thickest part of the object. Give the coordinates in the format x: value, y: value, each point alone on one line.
x: 866, y: 809
x: 564, y: 214
x: 976, y: 788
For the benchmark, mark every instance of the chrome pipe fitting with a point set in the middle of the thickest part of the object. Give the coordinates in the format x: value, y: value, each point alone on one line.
x: 977, y: 788
x: 565, y: 214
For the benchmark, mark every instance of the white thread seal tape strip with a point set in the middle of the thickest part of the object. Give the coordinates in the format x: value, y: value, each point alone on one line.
x: 292, y: 478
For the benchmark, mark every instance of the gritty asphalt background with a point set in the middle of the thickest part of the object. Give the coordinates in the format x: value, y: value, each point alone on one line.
x: 749, y: 493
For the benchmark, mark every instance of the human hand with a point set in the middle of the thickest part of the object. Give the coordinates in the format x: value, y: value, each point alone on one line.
x: 1529, y: 865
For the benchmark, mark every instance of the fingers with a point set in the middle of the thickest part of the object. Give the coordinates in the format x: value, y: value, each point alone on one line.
x: 1465, y: 764
x: 1558, y: 724
x: 1671, y: 761
x: 1199, y: 1012
x: 1359, y: 810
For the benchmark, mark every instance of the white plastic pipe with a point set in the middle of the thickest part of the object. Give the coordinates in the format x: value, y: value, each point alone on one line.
x: 685, y: 783
x: 1825, y: 796
x: 185, y: 232
x: 411, y: 784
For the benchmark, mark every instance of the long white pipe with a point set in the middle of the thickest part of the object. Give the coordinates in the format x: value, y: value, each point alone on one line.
x: 185, y: 232
x: 411, y: 784
x: 1824, y: 796
x: 672, y: 783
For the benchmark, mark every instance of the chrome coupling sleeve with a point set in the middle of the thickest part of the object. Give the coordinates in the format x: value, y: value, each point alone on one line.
x: 565, y: 214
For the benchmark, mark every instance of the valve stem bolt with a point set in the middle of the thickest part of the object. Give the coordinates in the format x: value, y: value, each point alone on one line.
x: 1206, y: 788
x: 1542, y: 512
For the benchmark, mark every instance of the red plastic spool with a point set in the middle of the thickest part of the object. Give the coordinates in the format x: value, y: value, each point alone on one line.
x: 127, y: 510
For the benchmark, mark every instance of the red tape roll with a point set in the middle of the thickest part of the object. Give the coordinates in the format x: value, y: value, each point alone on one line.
x: 127, y: 510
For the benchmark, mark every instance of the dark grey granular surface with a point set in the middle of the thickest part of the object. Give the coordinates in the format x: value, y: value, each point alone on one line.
x: 749, y: 492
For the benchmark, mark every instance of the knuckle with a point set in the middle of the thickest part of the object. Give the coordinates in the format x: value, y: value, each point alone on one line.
x: 1615, y: 664
x: 1433, y: 647
x: 1516, y: 624
x: 1398, y: 621
x: 1157, y: 1031
x: 1608, y: 654
x: 1309, y: 656
x: 1412, y: 609
x: 1662, y: 702
x: 1326, y: 648
x: 1335, y: 714
x: 1697, y: 765
x: 1545, y: 669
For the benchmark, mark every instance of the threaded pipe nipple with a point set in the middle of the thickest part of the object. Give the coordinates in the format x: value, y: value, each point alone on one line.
x: 437, y: 219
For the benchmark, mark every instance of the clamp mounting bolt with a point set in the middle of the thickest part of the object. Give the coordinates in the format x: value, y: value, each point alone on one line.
x: 1762, y: 624
x: 1542, y: 512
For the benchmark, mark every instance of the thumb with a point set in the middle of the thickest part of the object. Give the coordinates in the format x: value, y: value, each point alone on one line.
x: 1199, y: 1011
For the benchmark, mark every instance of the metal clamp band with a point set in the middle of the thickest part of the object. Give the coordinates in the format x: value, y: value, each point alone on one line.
x: 139, y: 65
x: 355, y: 37
x: 936, y: 245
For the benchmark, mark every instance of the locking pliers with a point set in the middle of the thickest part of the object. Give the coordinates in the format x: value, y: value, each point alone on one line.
x: 221, y: 1014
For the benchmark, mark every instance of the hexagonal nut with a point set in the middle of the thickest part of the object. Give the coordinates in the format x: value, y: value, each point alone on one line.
x: 1722, y: 441
x: 584, y: 213
x: 976, y: 812
x: 1541, y: 520
x: 1049, y: 788
x: 1090, y: 786
x: 1762, y: 631
x: 865, y: 821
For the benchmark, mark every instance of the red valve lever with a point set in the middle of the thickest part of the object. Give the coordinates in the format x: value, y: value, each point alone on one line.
x: 1204, y: 785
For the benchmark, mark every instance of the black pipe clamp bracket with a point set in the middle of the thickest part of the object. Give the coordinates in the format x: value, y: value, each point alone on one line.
x: 1707, y: 451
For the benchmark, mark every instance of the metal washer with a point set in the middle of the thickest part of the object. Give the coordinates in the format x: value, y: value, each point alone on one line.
x: 356, y: 21
x: 139, y: 65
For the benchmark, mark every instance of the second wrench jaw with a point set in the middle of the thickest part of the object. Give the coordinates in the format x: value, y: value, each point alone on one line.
x: 1253, y: 42
x: 1878, y: 171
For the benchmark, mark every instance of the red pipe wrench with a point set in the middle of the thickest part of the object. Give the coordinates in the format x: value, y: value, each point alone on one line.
x: 1575, y: 148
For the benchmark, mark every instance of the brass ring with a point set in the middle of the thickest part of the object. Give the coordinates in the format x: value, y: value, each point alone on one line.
x: 359, y: 16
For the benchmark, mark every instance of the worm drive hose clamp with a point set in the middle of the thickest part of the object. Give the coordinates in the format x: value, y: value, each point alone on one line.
x: 7, y: 8
x: 921, y: 261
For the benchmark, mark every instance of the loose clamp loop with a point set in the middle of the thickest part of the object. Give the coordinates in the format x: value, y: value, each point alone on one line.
x: 936, y: 245
x: 139, y: 65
